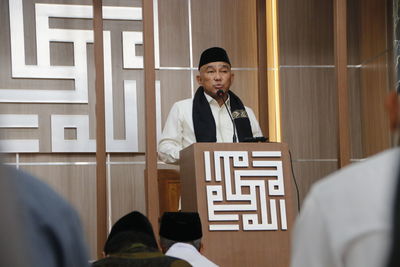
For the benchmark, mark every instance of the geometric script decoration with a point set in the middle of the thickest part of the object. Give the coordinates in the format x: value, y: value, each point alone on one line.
x: 79, y: 38
x: 245, y: 192
x: 16, y: 121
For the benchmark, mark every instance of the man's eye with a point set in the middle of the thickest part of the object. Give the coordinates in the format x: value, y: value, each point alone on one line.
x: 210, y: 71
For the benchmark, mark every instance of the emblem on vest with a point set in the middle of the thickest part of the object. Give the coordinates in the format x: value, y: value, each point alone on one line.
x: 239, y: 113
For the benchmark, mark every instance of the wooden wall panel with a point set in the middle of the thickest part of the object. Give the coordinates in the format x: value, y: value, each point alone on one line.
x: 308, y: 95
x: 306, y: 58
x: 374, y: 56
x: 305, y: 32
x: 354, y: 86
x: 77, y: 184
x: 353, y: 32
x: 227, y: 23
x: 373, y: 28
x: 127, y: 157
x: 57, y: 157
x: 127, y: 189
x: 309, y: 120
x: 118, y: 2
x: 353, y: 54
x: 7, y: 158
x: 375, y: 124
x: 175, y: 85
x: 307, y: 173
x: 174, y: 33
x: 63, y: 54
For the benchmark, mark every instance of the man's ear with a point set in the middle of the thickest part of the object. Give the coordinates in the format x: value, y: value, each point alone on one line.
x: 198, y: 79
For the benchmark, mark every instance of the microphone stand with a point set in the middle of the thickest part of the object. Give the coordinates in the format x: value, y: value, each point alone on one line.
x: 221, y: 93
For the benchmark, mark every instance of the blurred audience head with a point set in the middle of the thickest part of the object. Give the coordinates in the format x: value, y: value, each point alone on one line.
x: 183, y: 227
x: 133, y: 227
x: 124, y: 240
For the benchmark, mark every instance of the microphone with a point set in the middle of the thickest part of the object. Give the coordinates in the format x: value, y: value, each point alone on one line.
x: 221, y: 93
x: 256, y: 139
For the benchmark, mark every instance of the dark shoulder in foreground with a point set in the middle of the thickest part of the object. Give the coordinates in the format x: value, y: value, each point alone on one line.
x: 143, y: 260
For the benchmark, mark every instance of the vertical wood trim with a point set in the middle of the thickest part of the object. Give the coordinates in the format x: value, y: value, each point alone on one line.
x: 262, y: 66
x: 152, y: 205
x: 274, y: 99
x: 101, y: 182
x: 340, y: 48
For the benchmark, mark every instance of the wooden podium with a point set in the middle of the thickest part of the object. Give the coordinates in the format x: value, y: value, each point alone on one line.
x: 243, y: 193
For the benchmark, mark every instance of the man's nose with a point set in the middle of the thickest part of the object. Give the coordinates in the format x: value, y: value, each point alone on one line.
x: 217, y: 76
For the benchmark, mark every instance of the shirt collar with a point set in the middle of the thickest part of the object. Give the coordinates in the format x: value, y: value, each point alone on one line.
x: 212, y: 100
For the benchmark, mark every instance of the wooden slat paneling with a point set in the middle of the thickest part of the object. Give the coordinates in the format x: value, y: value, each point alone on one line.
x: 307, y: 173
x: 227, y: 23
x: 372, y: 29
x: 174, y: 33
x: 127, y: 190
x: 175, y: 86
x: 354, y: 86
x: 305, y: 29
x: 374, y: 84
x: 353, y: 32
x: 309, y: 119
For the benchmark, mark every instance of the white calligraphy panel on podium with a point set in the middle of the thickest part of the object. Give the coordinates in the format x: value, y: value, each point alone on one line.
x: 242, y: 198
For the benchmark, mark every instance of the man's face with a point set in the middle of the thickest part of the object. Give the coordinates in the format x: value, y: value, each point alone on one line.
x: 215, y: 76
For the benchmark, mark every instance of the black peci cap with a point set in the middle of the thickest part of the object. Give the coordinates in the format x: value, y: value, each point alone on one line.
x: 134, y: 221
x: 181, y: 226
x: 213, y: 54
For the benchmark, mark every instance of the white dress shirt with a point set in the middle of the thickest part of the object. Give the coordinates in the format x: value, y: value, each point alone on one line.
x: 346, y: 218
x: 179, y: 133
x: 190, y: 254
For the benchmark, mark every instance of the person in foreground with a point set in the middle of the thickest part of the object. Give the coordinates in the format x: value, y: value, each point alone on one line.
x: 46, y: 228
x: 346, y: 219
x: 180, y: 237
x: 131, y: 242
x: 205, y: 118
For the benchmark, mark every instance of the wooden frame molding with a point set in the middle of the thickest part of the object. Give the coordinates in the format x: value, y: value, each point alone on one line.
x: 101, y: 182
x: 340, y: 51
x: 274, y: 98
x: 262, y: 66
x: 150, y: 115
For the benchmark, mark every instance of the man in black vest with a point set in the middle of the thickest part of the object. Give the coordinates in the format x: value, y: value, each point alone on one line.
x: 208, y: 116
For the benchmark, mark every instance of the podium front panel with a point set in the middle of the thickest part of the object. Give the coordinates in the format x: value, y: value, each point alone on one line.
x: 243, y: 193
